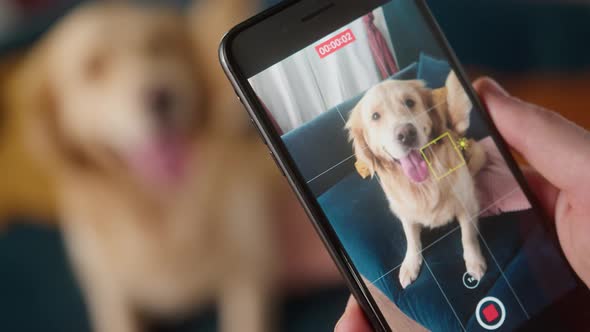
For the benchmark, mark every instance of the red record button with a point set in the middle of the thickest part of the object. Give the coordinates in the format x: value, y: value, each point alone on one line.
x: 490, y: 313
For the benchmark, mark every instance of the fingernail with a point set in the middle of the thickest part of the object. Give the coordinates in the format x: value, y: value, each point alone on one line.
x: 339, y: 327
x: 344, y: 327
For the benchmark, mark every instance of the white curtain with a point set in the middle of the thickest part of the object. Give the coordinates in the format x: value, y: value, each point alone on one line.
x: 303, y: 86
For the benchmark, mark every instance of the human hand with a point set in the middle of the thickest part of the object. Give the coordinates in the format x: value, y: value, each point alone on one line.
x: 353, y: 319
x: 559, y: 151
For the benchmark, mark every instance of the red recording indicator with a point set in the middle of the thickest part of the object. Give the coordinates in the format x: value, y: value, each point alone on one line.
x: 490, y: 313
x: 335, y: 43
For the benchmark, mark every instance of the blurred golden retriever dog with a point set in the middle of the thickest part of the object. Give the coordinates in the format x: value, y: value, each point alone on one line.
x: 165, y: 199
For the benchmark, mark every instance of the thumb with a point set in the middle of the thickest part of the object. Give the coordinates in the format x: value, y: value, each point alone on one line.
x: 353, y: 319
x: 554, y: 146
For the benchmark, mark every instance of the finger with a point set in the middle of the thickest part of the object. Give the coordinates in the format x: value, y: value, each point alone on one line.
x: 353, y: 319
x: 554, y: 146
x: 545, y: 192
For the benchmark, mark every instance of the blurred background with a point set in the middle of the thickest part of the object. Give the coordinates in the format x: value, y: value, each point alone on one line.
x: 538, y: 49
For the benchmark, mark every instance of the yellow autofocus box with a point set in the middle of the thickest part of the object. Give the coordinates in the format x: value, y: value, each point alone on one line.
x: 442, y: 167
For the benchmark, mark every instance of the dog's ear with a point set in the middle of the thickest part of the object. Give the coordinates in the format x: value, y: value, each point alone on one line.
x: 37, y: 104
x: 356, y: 134
x: 217, y: 17
x: 458, y: 105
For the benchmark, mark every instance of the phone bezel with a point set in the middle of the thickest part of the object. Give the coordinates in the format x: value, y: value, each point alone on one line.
x: 272, y: 139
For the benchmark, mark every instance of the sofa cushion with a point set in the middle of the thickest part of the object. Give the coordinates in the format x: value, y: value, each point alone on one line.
x: 433, y: 72
x: 359, y: 213
x: 319, y: 145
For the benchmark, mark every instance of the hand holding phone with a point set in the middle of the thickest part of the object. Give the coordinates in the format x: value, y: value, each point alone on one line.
x: 368, y: 113
x: 564, y: 139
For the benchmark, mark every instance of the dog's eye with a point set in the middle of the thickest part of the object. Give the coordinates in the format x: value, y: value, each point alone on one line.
x: 376, y: 116
x: 410, y: 103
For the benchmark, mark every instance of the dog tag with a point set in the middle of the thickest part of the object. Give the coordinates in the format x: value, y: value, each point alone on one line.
x: 362, y: 169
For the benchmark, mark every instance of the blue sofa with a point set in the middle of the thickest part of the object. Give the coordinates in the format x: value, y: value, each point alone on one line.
x: 374, y: 239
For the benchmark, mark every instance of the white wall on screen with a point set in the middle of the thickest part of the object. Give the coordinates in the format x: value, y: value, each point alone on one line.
x: 304, y: 86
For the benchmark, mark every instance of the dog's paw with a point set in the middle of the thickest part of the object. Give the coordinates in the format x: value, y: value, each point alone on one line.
x: 476, y: 266
x: 409, y: 270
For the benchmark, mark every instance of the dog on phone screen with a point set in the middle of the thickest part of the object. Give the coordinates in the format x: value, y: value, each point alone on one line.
x: 160, y: 212
x: 389, y: 127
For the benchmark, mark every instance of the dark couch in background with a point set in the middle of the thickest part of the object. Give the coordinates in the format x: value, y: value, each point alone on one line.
x: 38, y: 292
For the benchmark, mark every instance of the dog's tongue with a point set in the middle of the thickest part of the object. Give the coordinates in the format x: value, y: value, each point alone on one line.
x: 162, y: 162
x: 414, y: 166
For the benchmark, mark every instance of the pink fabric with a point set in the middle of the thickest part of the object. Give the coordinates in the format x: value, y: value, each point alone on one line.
x: 498, y: 191
x: 379, y: 48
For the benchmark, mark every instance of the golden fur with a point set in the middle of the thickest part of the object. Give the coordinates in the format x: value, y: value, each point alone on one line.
x: 373, y: 125
x: 145, y: 247
x: 25, y: 187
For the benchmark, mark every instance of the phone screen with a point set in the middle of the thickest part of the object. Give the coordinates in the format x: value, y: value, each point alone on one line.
x: 411, y: 179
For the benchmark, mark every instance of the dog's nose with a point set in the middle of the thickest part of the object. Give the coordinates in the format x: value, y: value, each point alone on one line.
x: 407, y: 135
x: 160, y: 103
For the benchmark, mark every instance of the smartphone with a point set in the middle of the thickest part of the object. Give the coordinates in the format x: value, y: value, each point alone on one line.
x: 369, y: 115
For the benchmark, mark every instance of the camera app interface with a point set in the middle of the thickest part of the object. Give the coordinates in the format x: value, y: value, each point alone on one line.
x: 406, y: 171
